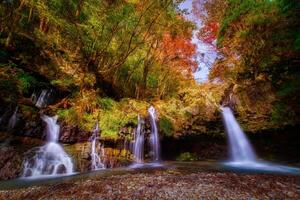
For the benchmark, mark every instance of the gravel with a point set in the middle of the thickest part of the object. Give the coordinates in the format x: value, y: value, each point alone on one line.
x: 167, y: 184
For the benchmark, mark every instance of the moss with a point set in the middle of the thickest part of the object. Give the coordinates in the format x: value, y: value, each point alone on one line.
x: 113, y: 120
x: 26, y: 82
x: 166, y: 126
x: 111, y: 115
x: 68, y: 115
x: 187, y: 156
x: 15, y: 81
x: 115, y: 115
x: 29, y: 111
x: 66, y: 82
x: 173, y: 114
x: 106, y: 103
x: 85, y: 121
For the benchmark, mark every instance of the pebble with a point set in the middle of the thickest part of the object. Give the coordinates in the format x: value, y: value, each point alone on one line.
x: 168, y: 185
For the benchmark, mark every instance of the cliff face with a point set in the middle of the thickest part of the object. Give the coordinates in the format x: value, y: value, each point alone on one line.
x: 189, y: 123
x: 273, y: 145
x: 14, y: 149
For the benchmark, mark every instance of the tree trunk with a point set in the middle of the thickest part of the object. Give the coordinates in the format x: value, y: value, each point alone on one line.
x: 144, y: 81
x: 30, y: 14
x: 79, y: 6
x: 15, y: 19
x: 8, y: 39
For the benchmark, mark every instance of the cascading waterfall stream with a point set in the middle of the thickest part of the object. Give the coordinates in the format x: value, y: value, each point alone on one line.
x: 242, y: 155
x: 41, y: 100
x: 95, y: 157
x: 50, y: 159
x: 139, y: 142
x: 154, y: 138
x: 240, y: 148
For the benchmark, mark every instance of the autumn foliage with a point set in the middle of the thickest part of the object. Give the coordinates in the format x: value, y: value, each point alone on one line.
x: 258, y: 47
x: 179, y: 52
x: 209, y: 32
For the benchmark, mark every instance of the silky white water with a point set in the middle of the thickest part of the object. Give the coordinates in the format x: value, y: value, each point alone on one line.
x: 50, y: 159
x: 139, y: 142
x: 95, y: 156
x: 154, y: 138
x: 240, y: 148
x: 13, y: 119
x: 41, y: 100
x: 242, y: 155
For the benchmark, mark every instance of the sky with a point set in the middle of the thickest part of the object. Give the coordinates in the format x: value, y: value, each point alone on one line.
x: 202, y: 49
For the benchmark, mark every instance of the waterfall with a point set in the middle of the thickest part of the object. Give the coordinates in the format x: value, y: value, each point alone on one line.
x: 139, y: 142
x: 154, y: 138
x: 50, y: 159
x: 95, y: 157
x: 41, y: 100
x: 13, y: 119
x: 240, y: 148
x: 242, y: 156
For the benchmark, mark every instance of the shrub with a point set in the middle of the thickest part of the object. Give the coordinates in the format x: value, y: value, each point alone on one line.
x: 187, y: 156
x: 26, y: 81
x: 166, y: 126
x: 106, y: 103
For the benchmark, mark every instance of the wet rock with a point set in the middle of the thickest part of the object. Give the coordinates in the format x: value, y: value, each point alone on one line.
x: 61, y: 169
x: 111, y: 156
x: 10, y: 163
x: 72, y: 134
x: 291, y: 194
x: 33, y: 129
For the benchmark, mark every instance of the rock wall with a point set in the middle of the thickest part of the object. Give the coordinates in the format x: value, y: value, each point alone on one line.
x: 205, y: 140
x: 111, y: 156
x: 13, y: 149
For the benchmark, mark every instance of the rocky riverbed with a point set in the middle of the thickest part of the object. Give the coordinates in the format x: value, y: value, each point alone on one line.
x: 171, y: 183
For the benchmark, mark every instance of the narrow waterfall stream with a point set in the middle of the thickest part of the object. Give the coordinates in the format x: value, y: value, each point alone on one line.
x: 141, y: 138
x: 41, y: 99
x: 95, y: 156
x: 242, y: 155
x: 139, y: 142
x: 154, y: 138
x: 50, y: 159
x: 13, y: 119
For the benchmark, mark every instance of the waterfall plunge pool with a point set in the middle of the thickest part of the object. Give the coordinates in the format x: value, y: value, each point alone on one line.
x: 149, y: 168
x: 260, y: 167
